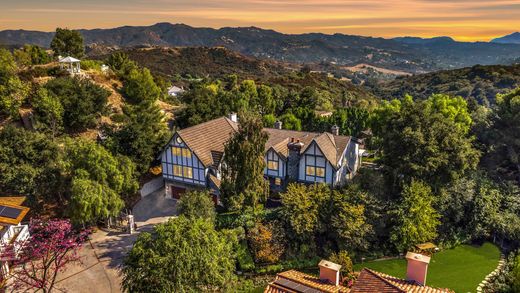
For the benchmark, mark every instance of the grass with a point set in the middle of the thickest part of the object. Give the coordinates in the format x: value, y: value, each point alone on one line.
x: 460, y: 269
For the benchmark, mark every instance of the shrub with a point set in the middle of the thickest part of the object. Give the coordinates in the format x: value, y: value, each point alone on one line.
x: 267, y: 242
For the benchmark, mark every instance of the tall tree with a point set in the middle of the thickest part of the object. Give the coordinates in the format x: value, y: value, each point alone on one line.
x: 504, y: 160
x: 419, y: 141
x: 30, y: 164
x: 416, y: 219
x: 49, y: 111
x: 346, y: 220
x: 141, y: 136
x: 302, y: 206
x: 52, y: 247
x: 243, y: 181
x: 13, y: 91
x: 140, y: 86
x: 83, y: 101
x: 68, y: 42
x: 182, y: 255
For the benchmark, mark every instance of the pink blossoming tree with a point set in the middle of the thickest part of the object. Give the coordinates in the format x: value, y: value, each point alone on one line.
x: 52, y: 246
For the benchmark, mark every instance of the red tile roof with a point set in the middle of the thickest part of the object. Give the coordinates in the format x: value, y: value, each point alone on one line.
x: 371, y: 281
x: 294, y: 282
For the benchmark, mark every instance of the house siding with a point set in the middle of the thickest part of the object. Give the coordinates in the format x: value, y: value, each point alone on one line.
x: 314, y: 157
x: 273, y: 156
x: 169, y: 160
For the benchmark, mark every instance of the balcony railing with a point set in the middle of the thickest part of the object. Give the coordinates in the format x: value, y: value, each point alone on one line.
x: 12, y: 241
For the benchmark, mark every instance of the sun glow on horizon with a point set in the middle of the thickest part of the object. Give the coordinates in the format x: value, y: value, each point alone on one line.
x: 464, y: 20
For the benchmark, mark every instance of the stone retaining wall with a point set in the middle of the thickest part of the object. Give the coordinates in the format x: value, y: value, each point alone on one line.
x: 482, y: 286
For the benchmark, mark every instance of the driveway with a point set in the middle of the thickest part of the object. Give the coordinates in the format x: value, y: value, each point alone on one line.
x: 102, y: 256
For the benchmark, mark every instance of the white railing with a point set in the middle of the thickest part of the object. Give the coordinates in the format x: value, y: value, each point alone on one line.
x: 14, y: 238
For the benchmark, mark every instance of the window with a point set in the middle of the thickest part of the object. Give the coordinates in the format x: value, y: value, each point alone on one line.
x: 176, y: 151
x: 320, y: 172
x: 278, y: 181
x: 272, y: 165
x: 177, y: 170
x: 186, y: 153
x: 310, y: 171
x: 188, y: 172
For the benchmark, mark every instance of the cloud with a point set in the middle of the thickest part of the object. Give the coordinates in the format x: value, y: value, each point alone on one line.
x: 463, y: 19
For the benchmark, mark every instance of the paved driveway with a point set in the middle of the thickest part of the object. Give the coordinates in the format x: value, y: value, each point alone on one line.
x: 103, y: 255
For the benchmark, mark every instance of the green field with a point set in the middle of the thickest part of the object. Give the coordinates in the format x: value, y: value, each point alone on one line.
x: 460, y: 269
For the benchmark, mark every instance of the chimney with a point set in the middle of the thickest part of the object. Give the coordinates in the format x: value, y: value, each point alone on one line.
x: 334, y: 129
x: 417, y: 267
x: 233, y: 117
x: 278, y: 124
x: 293, y: 160
x: 329, y: 272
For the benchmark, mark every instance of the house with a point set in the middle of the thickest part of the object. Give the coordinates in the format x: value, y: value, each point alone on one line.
x: 175, y: 91
x: 368, y: 281
x: 12, y: 233
x: 193, y: 157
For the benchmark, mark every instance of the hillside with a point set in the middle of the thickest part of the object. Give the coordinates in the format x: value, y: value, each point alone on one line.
x: 405, y: 54
x: 513, y: 38
x: 480, y: 82
x: 215, y: 63
x: 201, y: 62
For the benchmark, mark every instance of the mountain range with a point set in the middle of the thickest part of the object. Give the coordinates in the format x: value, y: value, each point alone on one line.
x: 513, y: 38
x: 414, y: 55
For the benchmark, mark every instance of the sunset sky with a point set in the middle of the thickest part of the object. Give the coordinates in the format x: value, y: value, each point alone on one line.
x: 465, y: 20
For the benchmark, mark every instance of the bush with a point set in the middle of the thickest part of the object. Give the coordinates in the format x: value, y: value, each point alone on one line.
x: 244, y: 258
x: 91, y: 65
x: 342, y: 258
x: 267, y: 242
x: 197, y: 204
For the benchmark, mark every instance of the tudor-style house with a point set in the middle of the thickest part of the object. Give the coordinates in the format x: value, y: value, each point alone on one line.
x: 192, y: 158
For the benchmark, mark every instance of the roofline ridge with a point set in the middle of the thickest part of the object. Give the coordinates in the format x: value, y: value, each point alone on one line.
x: 376, y: 274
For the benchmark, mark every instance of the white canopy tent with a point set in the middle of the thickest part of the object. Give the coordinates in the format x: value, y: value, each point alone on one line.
x: 71, y: 64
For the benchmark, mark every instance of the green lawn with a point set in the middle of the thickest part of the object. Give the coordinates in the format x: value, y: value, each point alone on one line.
x: 460, y: 269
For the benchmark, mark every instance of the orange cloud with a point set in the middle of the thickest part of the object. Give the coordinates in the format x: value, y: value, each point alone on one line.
x: 462, y: 19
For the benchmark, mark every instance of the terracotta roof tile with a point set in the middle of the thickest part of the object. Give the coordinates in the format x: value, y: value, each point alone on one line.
x: 371, y: 281
x: 294, y: 281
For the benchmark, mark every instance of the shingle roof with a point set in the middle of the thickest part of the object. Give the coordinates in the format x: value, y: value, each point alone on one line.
x: 207, y: 141
x: 294, y: 281
x: 371, y: 281
x: 331, y: 145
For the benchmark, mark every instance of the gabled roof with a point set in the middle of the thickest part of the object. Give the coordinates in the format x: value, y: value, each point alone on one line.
x: 207, y: 139
x: 371, y: 281
x: 293, y: 281
x: 332, y: 146
x: 69, y: 59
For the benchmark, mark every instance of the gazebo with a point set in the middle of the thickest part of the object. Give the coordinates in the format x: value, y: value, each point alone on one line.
x: 71, y: 64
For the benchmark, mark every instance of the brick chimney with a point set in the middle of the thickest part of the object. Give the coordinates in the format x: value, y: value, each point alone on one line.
x: 278, y: 124
x: 293, y: 161
x: 233, y: 117
x: 329, y: 272
x: 334, y: 129
x: 417, y: 268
